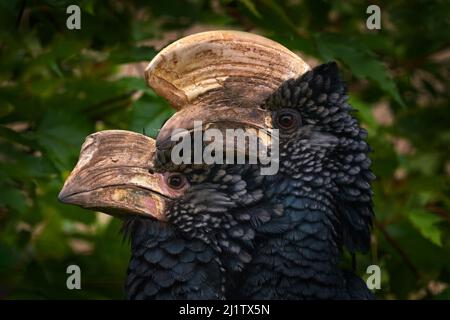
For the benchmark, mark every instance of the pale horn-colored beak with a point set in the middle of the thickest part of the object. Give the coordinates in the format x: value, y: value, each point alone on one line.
x: 114, y: 175
x: 221, y: 78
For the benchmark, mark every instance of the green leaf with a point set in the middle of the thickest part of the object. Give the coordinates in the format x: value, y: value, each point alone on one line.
x: 360, y: 60
x: 126, y: 54
x: 51, y: 242
x: 427, y: 163
x: 444, y: 295
x: 61, y: 134
x: 279, y: 12
x: 364, y: 114
x: 5, y: 108
x: 13, y: 198
x: 426, y: 223
x: 16, y: 137
x: 148, y: 115
x: 251, y: 7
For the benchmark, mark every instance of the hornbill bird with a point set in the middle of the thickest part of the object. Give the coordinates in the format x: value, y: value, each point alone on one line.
x: 189, y: 232
x: 273, y: 237
x: 323, y: 183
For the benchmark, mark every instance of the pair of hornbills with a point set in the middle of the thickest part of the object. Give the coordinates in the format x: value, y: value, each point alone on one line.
x: 225, y: 231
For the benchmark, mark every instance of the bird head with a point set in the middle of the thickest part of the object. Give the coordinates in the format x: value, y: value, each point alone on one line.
x: 116, y: 175
x: 240, y: 80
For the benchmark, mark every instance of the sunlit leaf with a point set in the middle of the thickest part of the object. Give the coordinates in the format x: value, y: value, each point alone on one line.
x: 360, y: 60
x: 426, y: 223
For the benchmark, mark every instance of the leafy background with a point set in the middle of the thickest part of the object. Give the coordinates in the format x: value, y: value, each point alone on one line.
x: 57, y: 86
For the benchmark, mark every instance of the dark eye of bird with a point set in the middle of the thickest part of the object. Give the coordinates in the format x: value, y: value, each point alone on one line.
x: 287, y: 119
x: 176, y: 181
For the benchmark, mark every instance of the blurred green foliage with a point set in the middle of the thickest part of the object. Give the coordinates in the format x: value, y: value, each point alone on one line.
x: 59, y: 85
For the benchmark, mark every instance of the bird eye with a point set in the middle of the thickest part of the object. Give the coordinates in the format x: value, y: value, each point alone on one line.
x: 176, y: 181
x: 287, y: 119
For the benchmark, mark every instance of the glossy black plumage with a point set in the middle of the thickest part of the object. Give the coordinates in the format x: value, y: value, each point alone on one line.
x: 206, y: 241
x: 324, y: 188
x: 268, y: 237
x: 164, y: 266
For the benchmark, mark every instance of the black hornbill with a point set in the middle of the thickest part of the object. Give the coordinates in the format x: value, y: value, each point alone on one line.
x: 190, y: 231
x: 226, y: 231
x: 323, y: 188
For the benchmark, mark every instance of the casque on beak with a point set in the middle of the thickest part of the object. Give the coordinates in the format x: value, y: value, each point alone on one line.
x: 220, y: 118
x: 221, y: 78
x: 114, y: 175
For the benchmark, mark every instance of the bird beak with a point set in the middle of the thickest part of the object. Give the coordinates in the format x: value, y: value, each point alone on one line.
x: 256, y: 120
x: 112, y: 176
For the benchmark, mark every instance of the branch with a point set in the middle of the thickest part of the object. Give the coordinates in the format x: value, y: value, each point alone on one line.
x: 398, y: 248
x: 19, y: 17
x: 439, y: 212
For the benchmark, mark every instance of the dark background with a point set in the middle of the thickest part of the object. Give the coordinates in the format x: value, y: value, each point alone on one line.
x: 59, y: 85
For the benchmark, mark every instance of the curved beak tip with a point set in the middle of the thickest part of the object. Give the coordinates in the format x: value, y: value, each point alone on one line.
x: 67, y: 195
x: 64, y: 196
